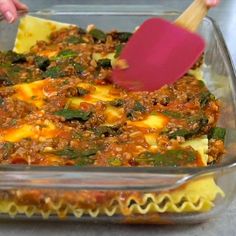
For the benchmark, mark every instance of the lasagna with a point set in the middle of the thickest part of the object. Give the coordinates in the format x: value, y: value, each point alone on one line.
x: 59, y: 107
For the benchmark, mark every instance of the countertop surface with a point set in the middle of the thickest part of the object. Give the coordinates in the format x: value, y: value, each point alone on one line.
x: 225, y: 224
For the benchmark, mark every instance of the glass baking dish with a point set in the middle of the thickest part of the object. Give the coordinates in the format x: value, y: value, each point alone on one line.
x: 53, y: 182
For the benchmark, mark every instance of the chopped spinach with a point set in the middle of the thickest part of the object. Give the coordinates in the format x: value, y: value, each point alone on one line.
x: 130, y: 114
x: 104, y: 63
x: 201, y: 119
x: 114, y: 161
x: 15, y: 69
x: 89, y: 152
x: 117, y: 102
x: 42, y: 62
x: 67, y: 53
x: 205, y: 98
x: 73, y: 153
x: 107, y: 131
x: 67, y: 152
x: 181, y: 133
x: 15, y: 58
x: 82, y: 91
x: 75, y: 40
x: 98, y: 35
x: 124, y: 36
x: 138, y: 106
x: 54, y: 72
x: 74, y: 114
x: 173, y: 158
x: 82, y: 157
x: 118, y: 50
x: 173, y: 114
x: 201, y: 83
x: 188, y: 133
x: 79, y: 68
x: 217, y: 133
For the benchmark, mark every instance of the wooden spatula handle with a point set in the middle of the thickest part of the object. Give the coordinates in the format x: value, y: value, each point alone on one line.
x: 191, y: 18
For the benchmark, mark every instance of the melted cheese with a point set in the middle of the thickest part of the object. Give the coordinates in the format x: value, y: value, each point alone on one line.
x: 32, y: 29
x: 156, y: 121
x: 102, y: 93
x: 17, y: 134
x: 151, y: 139
x: 113, y: 115
x: 43, y: 131
x: 99, y: 93
x: 31, y: 92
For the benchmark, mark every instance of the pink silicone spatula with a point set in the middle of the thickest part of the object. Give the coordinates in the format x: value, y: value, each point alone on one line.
x: 160, y: 52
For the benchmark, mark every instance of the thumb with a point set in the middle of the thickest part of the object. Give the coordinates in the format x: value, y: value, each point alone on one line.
x: 7, y: 8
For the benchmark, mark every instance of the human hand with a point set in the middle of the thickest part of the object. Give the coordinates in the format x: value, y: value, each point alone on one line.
x: 212, y: 3
x: 9, y: 9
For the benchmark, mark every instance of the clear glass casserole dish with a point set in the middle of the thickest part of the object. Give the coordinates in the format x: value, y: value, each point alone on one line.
x: 55, y: 182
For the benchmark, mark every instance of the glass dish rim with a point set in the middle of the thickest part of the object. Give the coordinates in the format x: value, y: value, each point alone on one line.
x: 130, y: 171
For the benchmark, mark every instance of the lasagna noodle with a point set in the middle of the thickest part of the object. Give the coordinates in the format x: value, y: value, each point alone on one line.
x: 31, y: 30
x: 195, y: 196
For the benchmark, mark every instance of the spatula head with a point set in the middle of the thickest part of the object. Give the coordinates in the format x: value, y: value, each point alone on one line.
x: 158, y: 53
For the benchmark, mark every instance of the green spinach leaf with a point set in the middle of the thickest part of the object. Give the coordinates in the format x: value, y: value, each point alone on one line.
x: 174, y: 158
x: 107, y: 131
x: 217, y: 133
x: 104, y: 63
x: 79, y: 68
x: 54, y: 72
x: 117, y: 103
x: 118, y: 50
x: 74, y: 114
x: 75, y: 40
x: 42, y: 62
x: 98, y: 35
x: 124, y: 36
